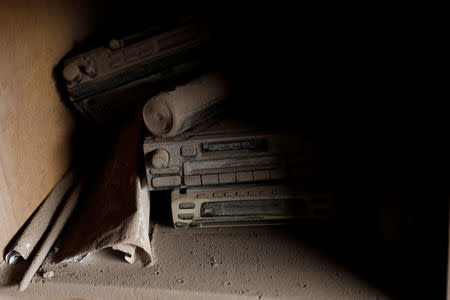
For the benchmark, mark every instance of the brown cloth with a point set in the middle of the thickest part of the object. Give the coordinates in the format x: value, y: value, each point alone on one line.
x: 116, y: 211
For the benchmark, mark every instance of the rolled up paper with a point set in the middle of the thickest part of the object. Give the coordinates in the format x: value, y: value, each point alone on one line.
x: 170, y: 113
x: 29, y: 238
x: 52, y: 235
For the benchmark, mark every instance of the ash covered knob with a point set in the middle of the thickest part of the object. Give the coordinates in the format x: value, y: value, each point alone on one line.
x: 72, y: 73
x: 115, y: 44
x: 90, y: 69
x: 159, y: 158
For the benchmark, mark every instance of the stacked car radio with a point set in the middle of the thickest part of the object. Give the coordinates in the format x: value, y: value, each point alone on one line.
x: 108, y: 81
x: 226, y: 173
x: 219, y: 169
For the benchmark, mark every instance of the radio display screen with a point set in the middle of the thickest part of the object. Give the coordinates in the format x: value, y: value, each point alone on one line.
x: 254, y: 144
x: 268, y: 207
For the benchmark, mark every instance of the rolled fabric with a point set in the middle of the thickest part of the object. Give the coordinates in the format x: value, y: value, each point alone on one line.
x: 170, y: 113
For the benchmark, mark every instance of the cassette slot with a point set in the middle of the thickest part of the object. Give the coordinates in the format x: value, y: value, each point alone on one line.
x: 266, y: 207
x: 253, y: 144
x: 250, y: 204
x: 230, y: 165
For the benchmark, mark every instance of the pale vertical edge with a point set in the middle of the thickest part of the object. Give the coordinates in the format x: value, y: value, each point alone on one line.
x: 7, y: 213
x: 448, y: 250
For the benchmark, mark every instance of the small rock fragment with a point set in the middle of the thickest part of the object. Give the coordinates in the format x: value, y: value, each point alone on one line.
x: 49, y: 274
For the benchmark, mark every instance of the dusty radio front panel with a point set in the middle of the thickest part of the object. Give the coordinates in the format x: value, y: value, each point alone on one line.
x: 98, y: 79
x: 227, y: 158
x: 252, y: 204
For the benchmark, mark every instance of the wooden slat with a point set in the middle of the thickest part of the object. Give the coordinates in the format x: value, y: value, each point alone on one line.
x: 35, y: 126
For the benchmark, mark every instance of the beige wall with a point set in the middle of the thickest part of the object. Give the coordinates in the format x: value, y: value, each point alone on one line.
x: 35, y: 126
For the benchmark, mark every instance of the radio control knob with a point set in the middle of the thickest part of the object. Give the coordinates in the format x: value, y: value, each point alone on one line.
x: 72, y: 73
x: 159, y: 158
x: 90, y: 69
x: 115, y: 44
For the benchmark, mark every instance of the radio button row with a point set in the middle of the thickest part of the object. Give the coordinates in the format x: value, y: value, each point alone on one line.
x: 278, y: 174
x: 188, y: 151
x: 131, y: 54
x: 210, y: 179
x: 116, y: 59
x: 302, y: 172
x: 261, y: 175
x: 165, y: 171
x: 224, y: 178
x: 192, y: 180
x: 166, y: 181
x: 185, y: 216
x: 227, y: 178
x: 244, y: 176
x: 203, y: 196
x: 186, y: 205
x: 145, y: 51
